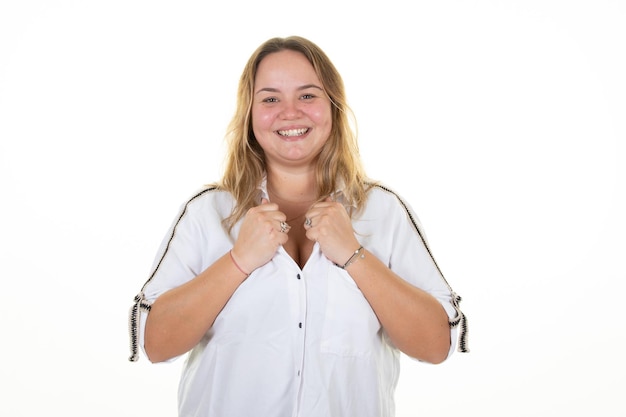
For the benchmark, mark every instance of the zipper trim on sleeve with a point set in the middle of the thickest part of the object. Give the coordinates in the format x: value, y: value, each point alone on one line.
x: 460, y: 319
x: 140, y: 303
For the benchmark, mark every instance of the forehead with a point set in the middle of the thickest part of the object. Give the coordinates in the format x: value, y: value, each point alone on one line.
x: 284, y: 67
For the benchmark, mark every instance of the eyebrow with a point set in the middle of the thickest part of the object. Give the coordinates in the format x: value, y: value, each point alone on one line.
x: 275, y: 90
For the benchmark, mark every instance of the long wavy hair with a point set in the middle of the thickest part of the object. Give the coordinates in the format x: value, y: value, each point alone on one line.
x: 339, y: 163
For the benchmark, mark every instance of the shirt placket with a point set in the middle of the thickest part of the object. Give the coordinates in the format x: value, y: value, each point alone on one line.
x: 298, y: 294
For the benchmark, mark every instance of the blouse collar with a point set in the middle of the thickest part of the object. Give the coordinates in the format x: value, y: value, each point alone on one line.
x: 337, y: 195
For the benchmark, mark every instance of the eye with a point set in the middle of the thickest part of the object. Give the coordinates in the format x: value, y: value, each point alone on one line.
x: 308, y: 96
x: 270, y: 100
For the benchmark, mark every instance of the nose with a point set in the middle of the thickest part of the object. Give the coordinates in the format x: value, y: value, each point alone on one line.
x: 290, y: 109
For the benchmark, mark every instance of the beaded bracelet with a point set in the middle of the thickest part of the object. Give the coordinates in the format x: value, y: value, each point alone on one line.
x: 356, y: 255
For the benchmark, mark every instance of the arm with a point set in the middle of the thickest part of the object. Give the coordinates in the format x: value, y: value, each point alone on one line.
x: 180, y: 317
x: 414, y: 320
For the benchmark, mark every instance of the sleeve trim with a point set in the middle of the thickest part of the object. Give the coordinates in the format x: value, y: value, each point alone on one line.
x: 133, y: 324
x: 459, y: 320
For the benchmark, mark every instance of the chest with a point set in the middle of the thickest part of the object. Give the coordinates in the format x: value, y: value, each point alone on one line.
x: 299, y: 247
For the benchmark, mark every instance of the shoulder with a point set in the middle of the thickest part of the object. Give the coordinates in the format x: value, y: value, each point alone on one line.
x: 208, y: 197
x: 385, y: 199
x: 206, y: 192
x: 381, y: 195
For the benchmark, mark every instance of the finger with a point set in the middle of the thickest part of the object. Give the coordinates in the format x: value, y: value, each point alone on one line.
x: 323, y: 204
x: 312, y: 234
x: 267, y: 206
x: 309, y: 216
x: 284, y: 227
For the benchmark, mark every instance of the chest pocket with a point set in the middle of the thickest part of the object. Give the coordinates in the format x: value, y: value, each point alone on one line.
x: 350, y: 327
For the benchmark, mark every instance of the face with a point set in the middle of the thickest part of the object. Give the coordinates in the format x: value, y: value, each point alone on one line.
x: 291, y: 114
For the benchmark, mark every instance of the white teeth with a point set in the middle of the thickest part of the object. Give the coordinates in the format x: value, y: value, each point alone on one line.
x: 293, y: 132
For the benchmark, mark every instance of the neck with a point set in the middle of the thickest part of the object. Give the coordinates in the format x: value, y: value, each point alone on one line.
x: 292, y: 188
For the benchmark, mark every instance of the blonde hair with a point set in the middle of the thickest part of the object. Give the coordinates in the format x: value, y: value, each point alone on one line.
x: 339, y: 162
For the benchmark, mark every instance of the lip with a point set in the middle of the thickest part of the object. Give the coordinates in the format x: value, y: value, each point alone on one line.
x: 293, y: 133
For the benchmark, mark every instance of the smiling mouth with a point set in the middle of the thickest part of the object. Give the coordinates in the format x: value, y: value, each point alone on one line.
x: 292, y: 132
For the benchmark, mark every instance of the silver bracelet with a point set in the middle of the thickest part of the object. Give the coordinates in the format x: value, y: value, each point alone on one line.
x: 356, y: 255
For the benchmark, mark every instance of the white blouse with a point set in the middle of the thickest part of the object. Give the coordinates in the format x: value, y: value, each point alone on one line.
x: 290, y: 341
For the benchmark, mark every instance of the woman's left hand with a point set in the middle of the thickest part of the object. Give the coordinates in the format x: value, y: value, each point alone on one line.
x: 328, y: 223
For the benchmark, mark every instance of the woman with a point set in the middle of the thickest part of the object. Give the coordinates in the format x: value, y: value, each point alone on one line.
x: 295, y: 282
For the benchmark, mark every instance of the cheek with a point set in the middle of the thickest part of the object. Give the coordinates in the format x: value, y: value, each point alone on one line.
x: 261, y: 119
x: 322, y: 116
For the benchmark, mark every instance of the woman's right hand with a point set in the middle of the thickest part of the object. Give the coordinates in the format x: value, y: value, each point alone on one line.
x: 260, y: 236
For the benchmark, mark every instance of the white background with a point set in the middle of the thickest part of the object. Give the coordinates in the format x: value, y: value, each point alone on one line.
x: 501, y: 122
